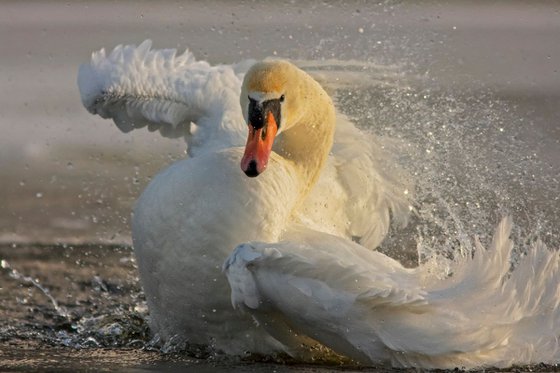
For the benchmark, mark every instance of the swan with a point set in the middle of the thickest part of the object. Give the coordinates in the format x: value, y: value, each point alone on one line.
x: 299, y: 280
x: 325, y: 175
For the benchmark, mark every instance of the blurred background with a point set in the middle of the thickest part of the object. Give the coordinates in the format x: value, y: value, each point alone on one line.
x: 67, y: 176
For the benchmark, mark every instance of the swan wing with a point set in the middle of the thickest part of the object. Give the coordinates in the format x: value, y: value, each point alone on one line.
x: 356, y: 196
x: 320, y: 291
x: 379, y: 191
x: 366, y: 306
x: 174, y: 94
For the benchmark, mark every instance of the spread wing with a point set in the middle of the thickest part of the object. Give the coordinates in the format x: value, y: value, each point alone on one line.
x: 174, y: 94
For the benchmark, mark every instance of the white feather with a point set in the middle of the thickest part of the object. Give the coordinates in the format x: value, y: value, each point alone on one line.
x: 138, y: 87
x: 182, y: 97
x: 366, y: 306
x: 193, y: 213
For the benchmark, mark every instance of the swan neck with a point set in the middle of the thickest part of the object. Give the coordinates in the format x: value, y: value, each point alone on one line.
x: 308, y: 142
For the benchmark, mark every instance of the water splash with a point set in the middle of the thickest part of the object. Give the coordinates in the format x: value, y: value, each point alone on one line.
x: 15, y: 274
x: 94, y: 312
x: 472, y: 158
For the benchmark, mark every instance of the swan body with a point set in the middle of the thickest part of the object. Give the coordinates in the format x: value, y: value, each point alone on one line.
x: 309, y: 182
x: 186, y: 292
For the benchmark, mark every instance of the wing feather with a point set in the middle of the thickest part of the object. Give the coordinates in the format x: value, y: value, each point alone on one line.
x: 140, y: 87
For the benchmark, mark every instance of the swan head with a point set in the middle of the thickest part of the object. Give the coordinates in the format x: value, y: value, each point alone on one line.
x: 268, y: 98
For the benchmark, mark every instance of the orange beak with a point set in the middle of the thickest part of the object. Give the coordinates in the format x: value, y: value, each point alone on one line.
x: 258, y: 147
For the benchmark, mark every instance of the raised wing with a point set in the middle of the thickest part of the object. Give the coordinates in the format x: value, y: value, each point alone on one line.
x: 368, y: 194
x: 174, y: 94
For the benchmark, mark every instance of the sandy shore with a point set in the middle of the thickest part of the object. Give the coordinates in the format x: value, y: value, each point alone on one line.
x: 103, y: 328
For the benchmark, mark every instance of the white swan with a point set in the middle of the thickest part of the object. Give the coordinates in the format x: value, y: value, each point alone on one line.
x: 195, y: 212
x: 305, y: 284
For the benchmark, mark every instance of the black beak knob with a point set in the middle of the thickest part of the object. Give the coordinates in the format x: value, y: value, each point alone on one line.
x: 251, y: 170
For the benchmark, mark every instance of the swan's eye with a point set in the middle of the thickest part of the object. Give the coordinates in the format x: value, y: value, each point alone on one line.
x: 282, y: 98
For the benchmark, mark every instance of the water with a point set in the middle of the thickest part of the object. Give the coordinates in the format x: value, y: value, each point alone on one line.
x: 467, y: 93
x: 472, y: 162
